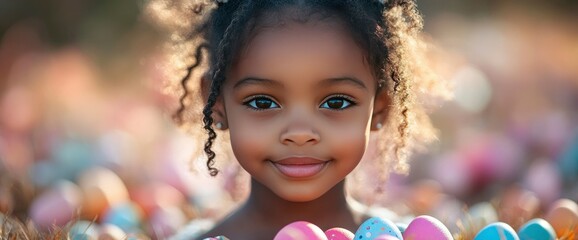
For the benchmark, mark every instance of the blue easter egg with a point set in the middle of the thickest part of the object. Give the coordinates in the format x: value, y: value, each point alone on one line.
x: 81, y: 236
x: 375, y: 227
x: 537, y: 229
x: 81, y: 230
x: 498, y: 230
x: 126, y: 216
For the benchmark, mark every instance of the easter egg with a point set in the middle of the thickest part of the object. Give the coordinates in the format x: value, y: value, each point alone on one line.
x: 339, y: 234
x: 83, y: 230
x: 427, y: 227
x: 101, y: 189
x: 386, y: 237
x: 376, y: 226
x: 537, y: 229
x: 300, y: 230
x: 498, y: 230
x: 81, y: 236
x: 563, y: 216
x: 56, y: 206
x: 126, y: 216
x: 111, y: 232
x: 152, y: 196
x: 165, y: 221
x: 479, y: 215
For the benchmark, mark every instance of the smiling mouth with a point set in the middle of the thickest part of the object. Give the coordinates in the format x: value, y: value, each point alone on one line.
x: 300, y: 167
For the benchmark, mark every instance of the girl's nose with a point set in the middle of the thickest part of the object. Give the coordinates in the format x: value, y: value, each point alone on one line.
x: 300, y: 135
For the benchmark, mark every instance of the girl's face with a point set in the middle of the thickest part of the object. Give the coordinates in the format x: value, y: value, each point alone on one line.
x: 299, y: 105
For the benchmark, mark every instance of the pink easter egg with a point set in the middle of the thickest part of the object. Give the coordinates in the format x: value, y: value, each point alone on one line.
x: 152, y: 196
x: 300, y: 230
x: 56, y: 206
x: 386, y: 237
x: 338, y: 233
x: 426, y: 227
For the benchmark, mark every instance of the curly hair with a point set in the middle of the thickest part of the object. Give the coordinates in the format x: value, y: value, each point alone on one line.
x: 388, y: 32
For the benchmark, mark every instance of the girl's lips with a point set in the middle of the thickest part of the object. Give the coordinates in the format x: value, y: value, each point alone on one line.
x: 300, y: 167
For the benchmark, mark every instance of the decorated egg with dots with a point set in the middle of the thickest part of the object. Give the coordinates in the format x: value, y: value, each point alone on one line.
x: 498, y: 230
x: 339, y: 234
x: 376, y: 226
x: 427, y: 227
x: 300, y: 230
x: 537, y: 229
x: 563, y: 216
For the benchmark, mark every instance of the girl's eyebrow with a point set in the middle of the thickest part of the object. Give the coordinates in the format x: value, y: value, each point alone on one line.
x: 257, y: 81
x: 350, y: 80
x: 326, y: 82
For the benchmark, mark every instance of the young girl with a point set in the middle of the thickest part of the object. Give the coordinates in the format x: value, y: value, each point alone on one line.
x: 299, y: 86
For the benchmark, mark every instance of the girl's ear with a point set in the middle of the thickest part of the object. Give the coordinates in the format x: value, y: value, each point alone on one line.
x: 219, y: 114
x: 381, y: 107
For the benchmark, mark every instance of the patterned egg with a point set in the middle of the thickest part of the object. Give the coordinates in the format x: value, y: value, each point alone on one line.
x: 339, y: 234
x: 300, y: 230
x: 376, y: 226
x: 537, y: 229
x: 498, y: 230
x: 563, y: 215
x: 427, y: 227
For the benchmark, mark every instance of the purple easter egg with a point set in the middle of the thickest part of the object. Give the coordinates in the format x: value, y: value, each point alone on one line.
x: 427, y: 227
x: 165, y: 221
x: 56, y: 206
x: 338, y: 233
x: 301, y: 230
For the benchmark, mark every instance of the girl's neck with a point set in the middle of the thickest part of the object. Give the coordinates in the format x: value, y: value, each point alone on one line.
x: 329, y: 210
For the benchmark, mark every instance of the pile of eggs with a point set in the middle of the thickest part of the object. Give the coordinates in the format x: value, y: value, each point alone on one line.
x: 426, y: 228
x: 560, y: 222
x: 101, y: 206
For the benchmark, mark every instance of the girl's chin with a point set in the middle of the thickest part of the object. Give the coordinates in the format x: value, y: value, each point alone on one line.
x: 300, y: 194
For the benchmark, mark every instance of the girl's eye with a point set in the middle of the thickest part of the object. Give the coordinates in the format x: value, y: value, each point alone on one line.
x: 261, y: 103
x: 337, y: 103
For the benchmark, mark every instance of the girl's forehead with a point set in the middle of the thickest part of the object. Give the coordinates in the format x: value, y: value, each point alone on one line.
x: 315, y: 50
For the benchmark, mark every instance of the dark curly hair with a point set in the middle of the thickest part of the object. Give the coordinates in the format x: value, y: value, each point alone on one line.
x: 387, y: 32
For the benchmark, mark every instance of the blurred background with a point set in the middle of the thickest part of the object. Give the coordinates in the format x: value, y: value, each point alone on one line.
x: 86, y: 132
